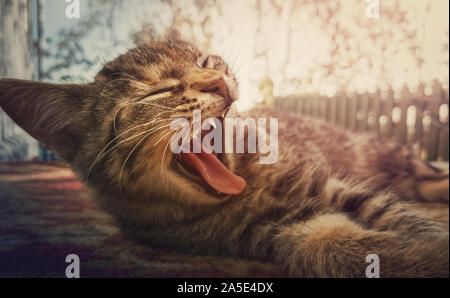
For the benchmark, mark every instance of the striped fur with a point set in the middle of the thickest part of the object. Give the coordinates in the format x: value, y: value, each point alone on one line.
x: 332, y: 198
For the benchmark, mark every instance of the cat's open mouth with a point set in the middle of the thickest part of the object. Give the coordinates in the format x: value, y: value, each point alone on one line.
x: 208, y: 170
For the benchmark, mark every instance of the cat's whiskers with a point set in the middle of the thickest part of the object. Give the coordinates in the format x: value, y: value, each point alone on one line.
x: 156, y: 105
x: 149, y: 132
x: 164, y: 154
x: 160, y: 139
x: 115, y: 116
x: 238, y: 47
x: 240, y: 67
x: 103, y: 153
x: 234, y: 61
x: 130, y: 138
x: 158, y: 119
x: 134, y: 103
x: 127, y: 158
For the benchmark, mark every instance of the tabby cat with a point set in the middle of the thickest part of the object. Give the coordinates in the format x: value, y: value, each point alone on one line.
x: 332, y: 198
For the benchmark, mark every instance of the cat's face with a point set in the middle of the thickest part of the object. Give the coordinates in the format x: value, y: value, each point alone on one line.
x: 116, y: 131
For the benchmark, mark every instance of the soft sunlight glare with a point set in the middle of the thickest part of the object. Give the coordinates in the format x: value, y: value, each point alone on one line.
x: 286, y: 42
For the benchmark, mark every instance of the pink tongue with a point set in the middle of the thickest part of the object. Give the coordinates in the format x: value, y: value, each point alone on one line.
x: 214, y: 172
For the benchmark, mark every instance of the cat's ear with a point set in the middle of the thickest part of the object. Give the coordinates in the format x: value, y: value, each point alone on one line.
x: 46, y: 111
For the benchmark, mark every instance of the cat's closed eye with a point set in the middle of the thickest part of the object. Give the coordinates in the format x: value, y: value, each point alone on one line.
x: 161, y: 88
x: 160, y: 91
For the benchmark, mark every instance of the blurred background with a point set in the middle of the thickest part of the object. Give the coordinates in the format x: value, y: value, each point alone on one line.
x: 367, y: 65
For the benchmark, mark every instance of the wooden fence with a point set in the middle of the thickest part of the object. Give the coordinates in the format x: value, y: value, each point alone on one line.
x: 419, y: 117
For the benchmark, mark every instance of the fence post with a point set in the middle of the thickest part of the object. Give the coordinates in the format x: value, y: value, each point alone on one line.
x: 376, y: 101
x: 365, y: 111
x: 402, y: 125
x: 420, y: 106
x: 388, y: 107
x: 342, y: 108
x: 434, y: 124
x: 352, y: 111
x: 444, y: 133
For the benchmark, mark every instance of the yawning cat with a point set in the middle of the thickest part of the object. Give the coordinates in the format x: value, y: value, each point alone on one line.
x: 331, y: 199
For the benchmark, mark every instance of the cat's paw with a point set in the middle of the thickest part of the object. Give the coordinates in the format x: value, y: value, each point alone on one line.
x: 434, y: 190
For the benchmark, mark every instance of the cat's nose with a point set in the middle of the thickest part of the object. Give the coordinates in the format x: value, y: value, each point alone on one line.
x: 216, y: 85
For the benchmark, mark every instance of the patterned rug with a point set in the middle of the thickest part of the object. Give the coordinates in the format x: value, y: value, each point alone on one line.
x: 46, y: 214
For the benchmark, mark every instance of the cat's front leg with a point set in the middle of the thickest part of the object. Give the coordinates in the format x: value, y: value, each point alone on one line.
x: 429, y: 183
x: 332, y: 245
x: 400, y: 168
x: 381, y: 210
x: 435, y: 188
